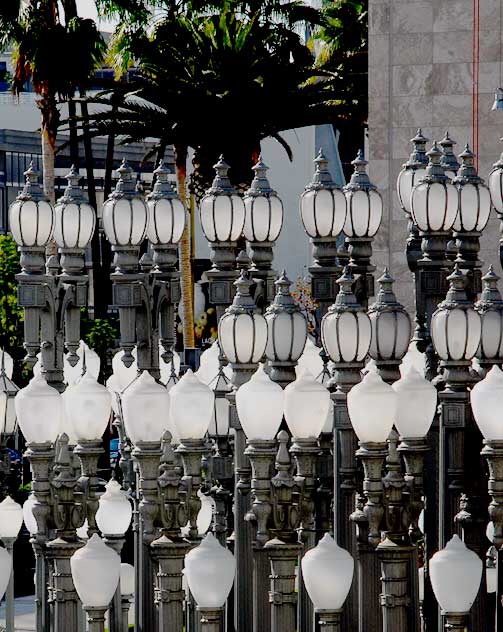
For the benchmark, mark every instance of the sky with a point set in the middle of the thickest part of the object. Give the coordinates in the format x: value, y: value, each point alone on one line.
x: 87, y: 9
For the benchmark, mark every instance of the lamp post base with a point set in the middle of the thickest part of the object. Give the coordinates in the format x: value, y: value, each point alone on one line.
x: 211, y: 619
x: 95, y: 619
x: 329, y: 620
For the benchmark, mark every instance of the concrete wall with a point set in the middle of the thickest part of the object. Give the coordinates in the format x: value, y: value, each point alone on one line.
x: 420, y: 75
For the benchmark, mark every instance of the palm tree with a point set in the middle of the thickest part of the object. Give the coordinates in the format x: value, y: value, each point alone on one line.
x: 56, y: 56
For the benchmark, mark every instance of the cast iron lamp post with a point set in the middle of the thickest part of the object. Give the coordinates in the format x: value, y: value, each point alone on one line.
x: 11, y: 520
x: 328, y: 572
x: 455, y: 573
x: 490, y: 308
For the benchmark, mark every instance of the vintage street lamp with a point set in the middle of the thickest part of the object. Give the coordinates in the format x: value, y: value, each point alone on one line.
x: 455, y: 574
x: 363, y: 218
x: 8, y: 422
x: 391, y: 330
x: 96, y: 573
x: 263, y: 222
x: 126, y: 587
x: 210, y: 569
x: 286, y: 333
x: 327, y: 570
x: 11, y: 520
x: 323, y: 214
x: 449, y: 161
x: 5, y: 570
x: 222, y: 214
x: 495, y: 182
x: 490, y: 308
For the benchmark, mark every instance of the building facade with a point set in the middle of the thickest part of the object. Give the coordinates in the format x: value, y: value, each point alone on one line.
x: 433, y: 64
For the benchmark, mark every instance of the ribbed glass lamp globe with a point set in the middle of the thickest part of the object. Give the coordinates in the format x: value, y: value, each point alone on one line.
x: 28, y: 517
x: 372, y: 408
x: 95, y: 572
x: 407, y: 179
x: 125, y: 212
x: 487, y: 400
x: 166, y: 211
x: 242, y: 336
x: 474, y: 208
x: 306, y: 406
x: 259, y: 405
x: 263, y: 208
x: 327, y: 571
x: 455, y: 574
x: 222, y: 210
x: 114, y: 512
x: 39, y: 410
x: 210, y: 569
x: 75, y: 218
x: 88, y: 408
x: 5, y: 570
x: 127, y: 579
x: 417, y: 403
x: 31, y: 216
x: 11, y: 518
x: 145, y: 406
x: 192, y: 404
x: 8, y: 392
x: 456, y: 333
x: 495, y: 182
x: 346, y: 336
x: 363, y: 203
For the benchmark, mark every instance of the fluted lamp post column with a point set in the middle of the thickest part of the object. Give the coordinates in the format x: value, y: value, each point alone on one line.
x: 323, y: 214
x: 455, y: 573
x: 11, y: 520
x: 327, y: 570
x: 126, y: 586
x: 222, y: 214
x: 263, y: 222
x: 210, y: 569
x: 96, y: 573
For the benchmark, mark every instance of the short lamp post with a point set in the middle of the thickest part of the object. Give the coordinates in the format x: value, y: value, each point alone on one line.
x: 327, y: 570
x: 126, y: 585
x: 210, y: 569
x: 455, y: 574
x: 96, y: 572
x: 11, y: 519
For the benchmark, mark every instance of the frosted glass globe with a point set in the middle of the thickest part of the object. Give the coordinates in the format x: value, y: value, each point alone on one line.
x: 31, y: 223
x: 259, y: 405
x: 222, y: 216
x: 39, y: 409
x: 5, y: 570
x: 145, y: 406
x: 307, y: 403
x: 495, y: 182
x: 210, y: 569
x: 114, y: 512
x: 88, y: 408
x: 114, y: 388
x: 310, y: 359
x: 28, y: 517
x: 127, y: 579
x: 327, y: 570
x: 192, y: 404
x: 96, y: 572
x: 8, y: 363
x: 125, y: 375
x: 417, y: 403
x: 487, y: 399
x: 372, y: 408
x: 455, y: 574
x: 11, y: 518
x: 73, y: 374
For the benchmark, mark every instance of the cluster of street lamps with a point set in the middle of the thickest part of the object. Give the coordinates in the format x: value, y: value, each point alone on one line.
x: 326, y: 488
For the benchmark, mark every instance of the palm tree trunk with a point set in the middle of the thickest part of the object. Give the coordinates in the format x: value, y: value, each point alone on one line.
x: 185, y: 262
x: 49, y: 127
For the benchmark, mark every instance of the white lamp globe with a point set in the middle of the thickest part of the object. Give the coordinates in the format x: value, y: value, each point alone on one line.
x: 88, y: 408
x: 145, y: 406
x: 434, y: 199
x: 7, y: 362
x: 327, y: 571
x: 166, y: 211
x: 322, y: 204
x: 372, y: 408
x: 222, y: 210
x: 210, y: 569
x: 495, y: 182
x: 96, y: 572
x: 192, y: 405
x: 114, y: 512
x: 328, y: 426
x: 124, y: 374
x: 88, y: 362
x: 416, y: 406
x: 75, y: 218
x: 263, y: 208
x: 307, y: 404
x: 310, y: 359
x: 11, y: 518
x: 413, y: 170
x: 114, y: 388
x: 31, y: 216
x: 363, y: 203
x: 28, y: 517
x: 486, y: 398
x: 127, y: 579
x: 5, y: 570
x: 82, y: 532
x: 474, y: 197
x: 125, y: 212
x: 39, y: 410
x: 259, y: 404
x: 455, y: 574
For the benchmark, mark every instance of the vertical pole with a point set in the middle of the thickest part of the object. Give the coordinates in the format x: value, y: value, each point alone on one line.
x: 211, y: 619
x: 456, y: 621
x: 9, y: 595
x: 395, y: 595
x: 95, y: 619
x: 125, y: 613
x: 283, y: 598
x: 330, y: 620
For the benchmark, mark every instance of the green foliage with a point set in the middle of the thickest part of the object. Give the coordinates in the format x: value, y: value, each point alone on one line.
x: 100, y: 334
x: 11, y: 315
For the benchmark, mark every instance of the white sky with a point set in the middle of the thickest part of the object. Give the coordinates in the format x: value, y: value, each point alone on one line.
x: 87, y: 9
